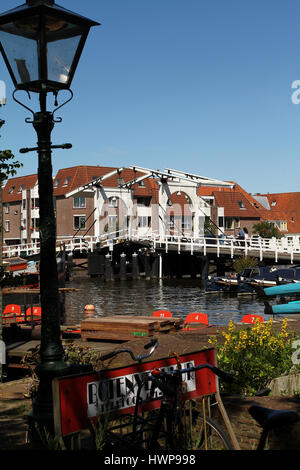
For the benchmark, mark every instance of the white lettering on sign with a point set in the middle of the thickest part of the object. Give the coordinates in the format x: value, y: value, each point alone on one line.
x: 119, y: 393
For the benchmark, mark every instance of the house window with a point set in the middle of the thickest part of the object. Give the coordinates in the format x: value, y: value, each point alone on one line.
x: 79, y: 222
x: 112, y: 222
x: 221, y: 221
x: 56, y: 183
x: 143, y: 201
x: 21, y: 188
x: 229, y: 223
x: 144, y: 222
x: 171, y: 221
x: 79, y: 202
x: 7, y: 226
x: 187, y: 222
x: 7, y: 208
x: 24, y: 204
x: 67, y: 181
x: 112, y: 202
x: 35, y: 203
x: 11, y: 190
x: 35, y: 225
x: 241, y: 205
x: 281, y: 225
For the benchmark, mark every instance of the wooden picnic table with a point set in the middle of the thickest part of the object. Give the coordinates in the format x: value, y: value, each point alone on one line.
x: 127, y: 327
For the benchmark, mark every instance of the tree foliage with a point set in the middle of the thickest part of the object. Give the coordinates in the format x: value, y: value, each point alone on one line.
x: 266, y: 230
x: 8, y: 166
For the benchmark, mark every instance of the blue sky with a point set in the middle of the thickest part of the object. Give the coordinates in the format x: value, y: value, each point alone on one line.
x: 201, y: 86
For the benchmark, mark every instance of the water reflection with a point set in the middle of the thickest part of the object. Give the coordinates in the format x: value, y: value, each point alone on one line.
x: 180, y: 296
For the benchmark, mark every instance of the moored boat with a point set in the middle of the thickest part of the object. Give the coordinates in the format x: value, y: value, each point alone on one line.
x: 284, y: 289
x: 282, y: 309
x: 228, y: 284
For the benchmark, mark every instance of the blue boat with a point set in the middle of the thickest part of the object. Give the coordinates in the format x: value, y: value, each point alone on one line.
x: 252, y: 280
x: 284, y: 289
x: 283, y: 309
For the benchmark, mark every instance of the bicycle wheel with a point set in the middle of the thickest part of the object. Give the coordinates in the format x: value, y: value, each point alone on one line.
x: 188, y: 430
x: 206, y: 434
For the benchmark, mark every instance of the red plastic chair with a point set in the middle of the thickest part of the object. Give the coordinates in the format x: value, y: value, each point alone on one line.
x: 162, y: 314
x: 12, y: 308
x: 13, y: 312
x: 37, y: 311
x: 195, y: 317
x: 250, y: 318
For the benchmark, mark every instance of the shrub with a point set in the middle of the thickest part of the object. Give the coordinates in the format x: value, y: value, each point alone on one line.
x: 254, y: 355
x: 243, y: 262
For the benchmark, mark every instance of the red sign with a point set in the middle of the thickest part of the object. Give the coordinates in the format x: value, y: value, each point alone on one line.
x: 81, y: 398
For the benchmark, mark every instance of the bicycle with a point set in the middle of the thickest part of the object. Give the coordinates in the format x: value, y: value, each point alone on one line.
x: 178, y: 424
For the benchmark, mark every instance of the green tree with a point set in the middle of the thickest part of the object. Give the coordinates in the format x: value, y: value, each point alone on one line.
x: 8, y: 167
x: 266, y: 230
x: 244, y: 262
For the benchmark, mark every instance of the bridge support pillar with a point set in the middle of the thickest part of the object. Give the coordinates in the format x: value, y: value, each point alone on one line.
x: 155, y: 266
x: 108, y: 268
x: 160, y: 266
x: 148, y: 266
x: 135, y: 266
x: 204, y: 267
x: 123, y: 267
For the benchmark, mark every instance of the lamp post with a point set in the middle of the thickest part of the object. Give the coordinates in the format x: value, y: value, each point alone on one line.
x: 41, y: 44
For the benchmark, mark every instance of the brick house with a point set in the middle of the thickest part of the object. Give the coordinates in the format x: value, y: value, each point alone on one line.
x: 16, y: 198
x: 240, y: 208
x: 93, y: 200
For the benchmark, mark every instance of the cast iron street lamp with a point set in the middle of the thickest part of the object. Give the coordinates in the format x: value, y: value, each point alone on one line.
x: 41, y: 44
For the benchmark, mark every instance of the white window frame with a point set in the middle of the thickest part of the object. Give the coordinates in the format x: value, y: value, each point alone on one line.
x: 79, y: 216
x: 81, y: 202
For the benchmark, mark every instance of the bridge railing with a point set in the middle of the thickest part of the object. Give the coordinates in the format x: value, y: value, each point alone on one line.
x: 232, y: 245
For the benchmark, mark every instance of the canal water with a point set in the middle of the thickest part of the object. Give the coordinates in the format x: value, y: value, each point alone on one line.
x: 179, y: 296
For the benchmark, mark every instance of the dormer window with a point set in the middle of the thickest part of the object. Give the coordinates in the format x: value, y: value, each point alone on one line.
x: 11, y: 190
x: 56, y: 183
x: 67, y: 181
x: 21, y: 188
x: 273, y: 203
x: 241, y: 205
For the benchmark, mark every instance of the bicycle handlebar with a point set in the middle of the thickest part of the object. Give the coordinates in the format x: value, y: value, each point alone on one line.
x: 153, y: 345
x: 220, y: 373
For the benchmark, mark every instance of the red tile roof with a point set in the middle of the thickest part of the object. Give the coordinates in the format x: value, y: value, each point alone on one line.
x: 13, y: 185
x: 235, y: 205
x: 229, y: 198
x: 69, y: 179
x: 284, y: 207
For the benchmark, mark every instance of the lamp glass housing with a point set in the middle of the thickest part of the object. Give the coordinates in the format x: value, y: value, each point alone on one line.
x: 41, y: 46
